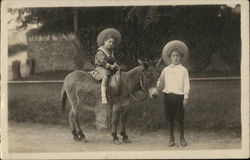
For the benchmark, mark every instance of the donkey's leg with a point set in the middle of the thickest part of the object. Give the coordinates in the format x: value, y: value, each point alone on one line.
x: 115, y: 121
x: 123, y: 133
x: 72, y: 125
x: 75, y: 117
x: 80, y: 134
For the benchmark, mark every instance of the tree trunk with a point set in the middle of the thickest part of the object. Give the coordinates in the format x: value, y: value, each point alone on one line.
x: 76, y: 23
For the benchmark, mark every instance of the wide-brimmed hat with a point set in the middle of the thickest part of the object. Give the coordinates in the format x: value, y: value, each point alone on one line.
x: 175, y: 45
x: 109, y: 32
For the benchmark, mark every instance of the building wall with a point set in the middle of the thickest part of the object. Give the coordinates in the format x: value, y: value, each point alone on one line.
x: 52, y: 53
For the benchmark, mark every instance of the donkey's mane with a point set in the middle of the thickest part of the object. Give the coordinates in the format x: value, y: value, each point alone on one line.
x: 132, y: 76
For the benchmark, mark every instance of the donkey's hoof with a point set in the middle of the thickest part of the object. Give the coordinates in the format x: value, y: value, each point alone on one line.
x: 80, y: 138
x: 127, y: 140
x: 76, y: 138
x: 85, y: 140
x: 116, y: 141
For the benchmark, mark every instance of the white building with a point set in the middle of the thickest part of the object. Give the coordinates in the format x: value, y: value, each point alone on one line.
x: 15, y: 38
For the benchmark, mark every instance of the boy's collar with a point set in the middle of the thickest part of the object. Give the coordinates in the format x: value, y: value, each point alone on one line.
x: 105, y: 51
x: 172, y: 65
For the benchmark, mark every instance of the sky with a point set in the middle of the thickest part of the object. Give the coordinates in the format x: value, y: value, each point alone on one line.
x: 13, y: 23
x: 16, y: 36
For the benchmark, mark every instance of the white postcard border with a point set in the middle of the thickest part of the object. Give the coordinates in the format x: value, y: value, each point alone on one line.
x: 238, y: 153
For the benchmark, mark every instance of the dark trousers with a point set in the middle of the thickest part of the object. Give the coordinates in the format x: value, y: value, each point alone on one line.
x: 173, y: 107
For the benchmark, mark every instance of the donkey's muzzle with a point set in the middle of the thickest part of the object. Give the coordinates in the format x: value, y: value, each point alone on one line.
x: 154, y: 96
x: 153, y: 93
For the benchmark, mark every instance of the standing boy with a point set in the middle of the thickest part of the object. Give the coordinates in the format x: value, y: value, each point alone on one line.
x: 174, y: 83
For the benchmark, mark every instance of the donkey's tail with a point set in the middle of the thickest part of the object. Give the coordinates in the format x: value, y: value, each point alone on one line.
x: 63, y: 98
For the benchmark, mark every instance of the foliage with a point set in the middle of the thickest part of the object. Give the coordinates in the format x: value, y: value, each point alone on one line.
x: 207, y: 30
x: 51, y: 20
x: 86, y: 45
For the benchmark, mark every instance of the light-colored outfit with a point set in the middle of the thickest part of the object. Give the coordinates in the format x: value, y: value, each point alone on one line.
x: 174, y: 79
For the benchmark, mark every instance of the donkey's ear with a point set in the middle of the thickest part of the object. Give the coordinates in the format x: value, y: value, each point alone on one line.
x: 152, y: 62
x: 140, y: 62
x: 158, y: 62
x: 155, y: 61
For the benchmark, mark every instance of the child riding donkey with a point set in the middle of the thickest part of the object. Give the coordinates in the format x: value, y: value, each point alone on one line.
x: 82, y: 92
x: 105, y: 63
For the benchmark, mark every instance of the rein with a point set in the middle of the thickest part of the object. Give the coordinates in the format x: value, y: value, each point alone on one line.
x: 142, y: 87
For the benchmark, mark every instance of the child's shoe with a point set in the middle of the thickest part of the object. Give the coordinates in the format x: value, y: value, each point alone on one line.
x: 183, y: 141
x: 171, y: 142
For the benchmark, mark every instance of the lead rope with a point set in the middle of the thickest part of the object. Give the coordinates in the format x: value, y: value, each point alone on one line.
x: 143, y: 88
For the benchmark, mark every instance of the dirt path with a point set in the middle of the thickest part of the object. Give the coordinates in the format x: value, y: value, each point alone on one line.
x: 30, y: 137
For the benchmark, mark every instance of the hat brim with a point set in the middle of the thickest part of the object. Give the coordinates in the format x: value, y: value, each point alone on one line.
x: 109, y: 31
x: 172, y: 45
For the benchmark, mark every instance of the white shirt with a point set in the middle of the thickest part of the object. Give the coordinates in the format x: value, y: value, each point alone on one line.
x: 174, y: 79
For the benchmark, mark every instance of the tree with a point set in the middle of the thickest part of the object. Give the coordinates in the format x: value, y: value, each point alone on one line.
x: 207, y: 30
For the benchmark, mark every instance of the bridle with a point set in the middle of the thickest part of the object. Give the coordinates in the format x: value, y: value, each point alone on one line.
x: 145, y: 90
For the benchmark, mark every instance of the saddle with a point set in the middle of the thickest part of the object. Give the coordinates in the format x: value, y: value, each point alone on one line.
x: 113, y: 87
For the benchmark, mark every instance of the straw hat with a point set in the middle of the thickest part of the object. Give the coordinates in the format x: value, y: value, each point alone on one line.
x: 175, y: 45
x: 108, y: 32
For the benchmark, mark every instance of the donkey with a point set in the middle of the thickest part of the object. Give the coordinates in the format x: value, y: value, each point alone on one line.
x: 79, y: 86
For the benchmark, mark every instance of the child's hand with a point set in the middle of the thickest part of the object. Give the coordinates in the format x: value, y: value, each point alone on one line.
x: 185, y: 102
x: 116, y: 66
x: 113, y: 66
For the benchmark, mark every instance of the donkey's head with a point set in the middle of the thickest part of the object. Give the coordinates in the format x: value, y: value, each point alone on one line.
x: 149, y: 77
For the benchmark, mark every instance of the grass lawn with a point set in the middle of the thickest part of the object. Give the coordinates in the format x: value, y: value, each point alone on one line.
x: 213, y: 105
